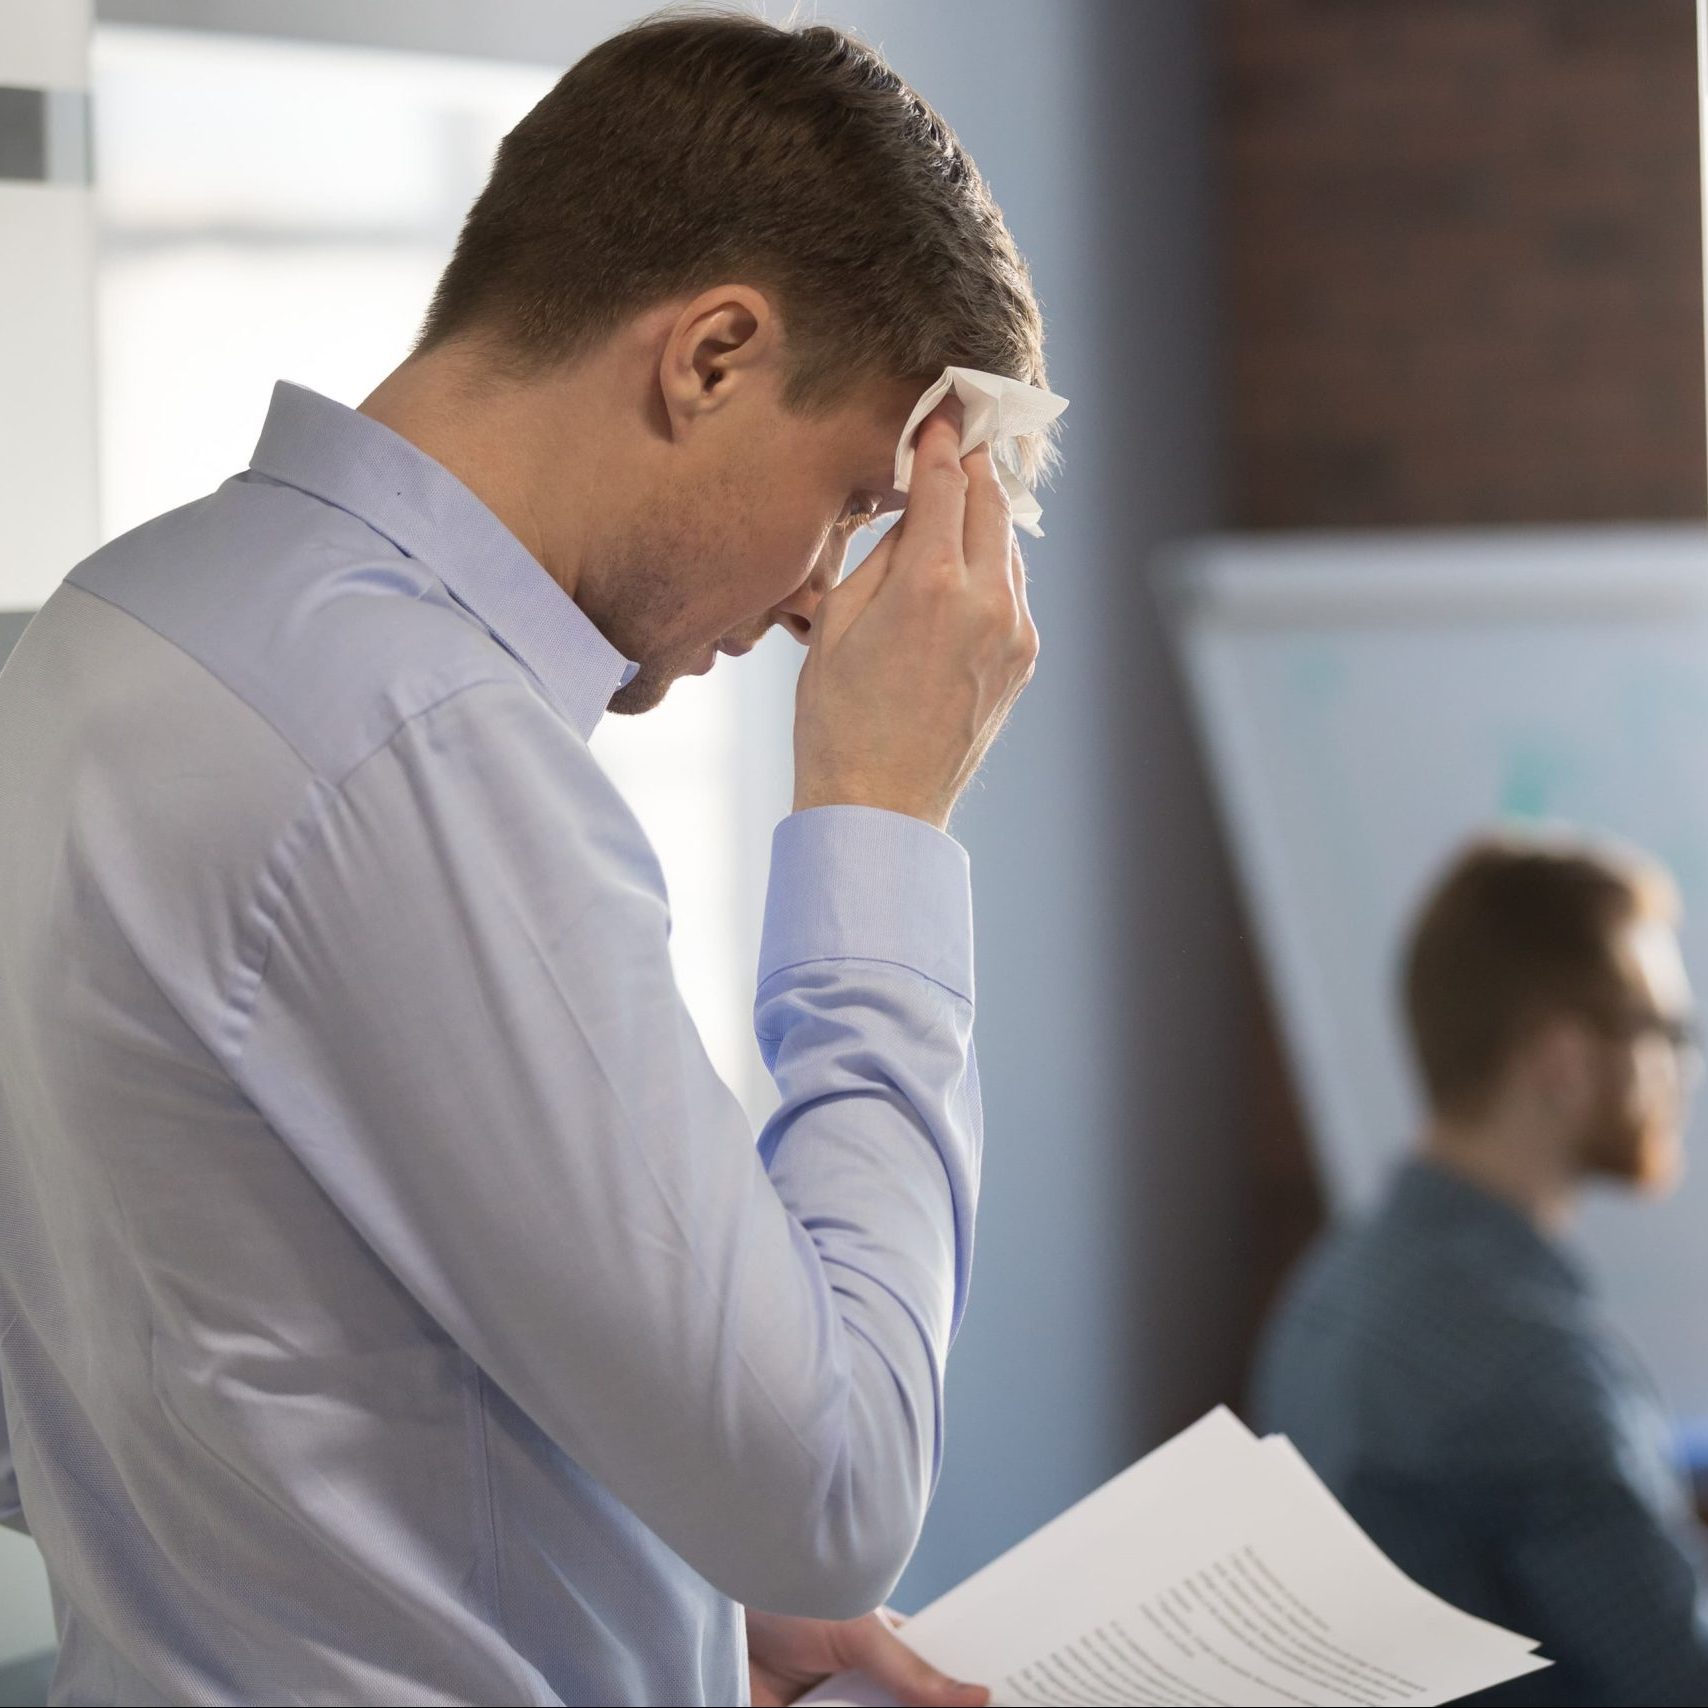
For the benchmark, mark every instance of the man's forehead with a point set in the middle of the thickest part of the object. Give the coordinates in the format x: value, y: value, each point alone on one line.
x: 875, y: 412
x: 865, y: 428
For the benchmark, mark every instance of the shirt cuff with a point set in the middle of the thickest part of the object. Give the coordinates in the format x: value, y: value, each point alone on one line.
x: 859, y: 883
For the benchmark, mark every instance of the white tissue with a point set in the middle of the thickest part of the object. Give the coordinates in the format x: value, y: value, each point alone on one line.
x: 995, y: 411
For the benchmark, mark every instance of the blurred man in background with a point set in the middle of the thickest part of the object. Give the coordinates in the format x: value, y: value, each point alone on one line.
x: 1444, y: 1365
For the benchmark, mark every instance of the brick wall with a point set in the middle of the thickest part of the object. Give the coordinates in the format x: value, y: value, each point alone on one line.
x: 1464, y: 286
x: 1465, y: 260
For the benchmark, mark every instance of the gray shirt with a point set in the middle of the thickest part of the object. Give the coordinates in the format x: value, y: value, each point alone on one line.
x: 1445, y: 1369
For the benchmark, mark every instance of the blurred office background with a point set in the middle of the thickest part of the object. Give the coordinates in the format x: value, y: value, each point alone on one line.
x: 1306, y: 263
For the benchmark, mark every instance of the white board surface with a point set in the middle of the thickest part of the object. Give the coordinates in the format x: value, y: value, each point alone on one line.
x: 1368, y: 701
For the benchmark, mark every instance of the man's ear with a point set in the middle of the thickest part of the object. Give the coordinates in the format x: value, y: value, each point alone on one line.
x: 717, y: 346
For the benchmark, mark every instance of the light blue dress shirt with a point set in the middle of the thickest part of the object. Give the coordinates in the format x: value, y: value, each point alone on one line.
x: 394, y: 1305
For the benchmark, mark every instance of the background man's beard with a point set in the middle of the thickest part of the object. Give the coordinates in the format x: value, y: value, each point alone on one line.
x: 1642, y: 1154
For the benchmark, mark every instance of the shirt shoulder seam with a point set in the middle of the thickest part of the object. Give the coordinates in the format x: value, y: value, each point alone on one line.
x: 200, y: 663
x: 328, y: 776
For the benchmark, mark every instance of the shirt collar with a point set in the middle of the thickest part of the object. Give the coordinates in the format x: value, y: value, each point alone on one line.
x: 1485, y: 1224
x: 350, y: 460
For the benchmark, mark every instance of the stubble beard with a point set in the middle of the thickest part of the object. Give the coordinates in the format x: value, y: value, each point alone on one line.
x: 639, y: 607
x: 645, y: 690
x: 1643, y: 1155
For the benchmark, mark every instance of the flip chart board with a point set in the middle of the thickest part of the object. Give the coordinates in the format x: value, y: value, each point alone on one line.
x: 1368, y: 701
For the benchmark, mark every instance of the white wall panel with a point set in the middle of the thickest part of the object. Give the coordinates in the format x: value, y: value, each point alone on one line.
x: 47, y: 402
x: 47, y: 429
x: 44, y: 44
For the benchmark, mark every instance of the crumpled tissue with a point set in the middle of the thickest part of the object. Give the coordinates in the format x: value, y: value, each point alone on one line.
x: 995, y: 411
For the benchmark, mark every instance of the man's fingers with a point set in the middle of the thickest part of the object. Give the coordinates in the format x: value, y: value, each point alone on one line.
x: 854, y: 592
x: 988, y: 530
x: 889, y: 1662
x: 937, y: 493
x: 1017, y: 576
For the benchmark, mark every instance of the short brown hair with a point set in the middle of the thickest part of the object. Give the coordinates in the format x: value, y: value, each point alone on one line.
x: 1521, y: 929
x: 706, y: 146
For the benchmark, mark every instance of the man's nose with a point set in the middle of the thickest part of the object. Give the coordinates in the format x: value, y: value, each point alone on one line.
x: 796, y: 613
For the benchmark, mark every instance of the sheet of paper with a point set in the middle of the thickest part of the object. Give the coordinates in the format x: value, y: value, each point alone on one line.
x: 1218, y: 1570
x: 1087, y: 1528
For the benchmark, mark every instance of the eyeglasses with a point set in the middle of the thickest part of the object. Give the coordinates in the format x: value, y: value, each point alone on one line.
x: 1682, y: 1031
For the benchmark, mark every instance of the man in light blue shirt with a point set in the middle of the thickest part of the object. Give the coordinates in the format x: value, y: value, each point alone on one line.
x: 394, y: 1306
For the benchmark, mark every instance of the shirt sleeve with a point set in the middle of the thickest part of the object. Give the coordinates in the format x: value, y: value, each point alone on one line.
x: 1608, y: 1585
x: 468, y: 1030
x: 1601, y: 1551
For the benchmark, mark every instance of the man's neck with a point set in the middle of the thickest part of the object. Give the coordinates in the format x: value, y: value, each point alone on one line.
x: 1509, y: 1162
x: 503, y: 441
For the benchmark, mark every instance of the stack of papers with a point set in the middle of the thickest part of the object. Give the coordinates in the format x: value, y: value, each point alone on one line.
x: 1217, y: 1570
